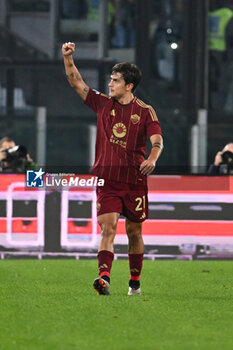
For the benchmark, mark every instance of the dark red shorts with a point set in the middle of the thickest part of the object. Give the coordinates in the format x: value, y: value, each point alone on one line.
x: 126, y: 199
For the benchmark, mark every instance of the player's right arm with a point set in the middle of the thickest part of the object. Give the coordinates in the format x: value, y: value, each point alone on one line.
x: 74, y: 77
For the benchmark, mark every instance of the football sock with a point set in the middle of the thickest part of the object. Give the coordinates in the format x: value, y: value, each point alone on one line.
x: 106, y: 278
x: 134, y: 284
x: 105, y: 259
x: 135, y: 265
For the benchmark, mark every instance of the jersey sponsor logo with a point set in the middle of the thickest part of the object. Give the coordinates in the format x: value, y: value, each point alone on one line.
x: 119, y: 130
x: 135, y: 119
x: 115, y: 140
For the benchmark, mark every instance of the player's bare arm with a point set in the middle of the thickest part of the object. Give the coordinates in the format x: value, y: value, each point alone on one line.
x: 74, y: 77
x: 149, y: 164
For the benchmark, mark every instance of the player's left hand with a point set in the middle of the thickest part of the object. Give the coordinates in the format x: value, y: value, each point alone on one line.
x: 147, y: 167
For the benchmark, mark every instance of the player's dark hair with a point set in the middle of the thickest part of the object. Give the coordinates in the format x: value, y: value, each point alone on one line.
x: 130, y: 73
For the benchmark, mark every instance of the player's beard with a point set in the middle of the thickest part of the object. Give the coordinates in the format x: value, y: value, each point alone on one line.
x: 114, y: 95
x: 111, y: 93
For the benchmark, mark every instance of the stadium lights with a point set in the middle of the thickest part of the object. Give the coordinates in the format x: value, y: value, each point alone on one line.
x: 174, y: 46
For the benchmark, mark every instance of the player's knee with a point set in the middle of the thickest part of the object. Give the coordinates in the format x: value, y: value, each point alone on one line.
x: 108, y: 230
x: 134, y: 230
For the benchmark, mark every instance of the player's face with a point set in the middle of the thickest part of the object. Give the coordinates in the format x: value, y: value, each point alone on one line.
x: 117, y: 86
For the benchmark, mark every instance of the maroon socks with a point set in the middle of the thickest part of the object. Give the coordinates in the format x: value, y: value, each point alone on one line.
x: 135, y: 265
x: 105, y: 259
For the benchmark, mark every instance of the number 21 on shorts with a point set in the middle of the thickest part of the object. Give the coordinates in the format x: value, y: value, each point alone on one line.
x: 140, y: 203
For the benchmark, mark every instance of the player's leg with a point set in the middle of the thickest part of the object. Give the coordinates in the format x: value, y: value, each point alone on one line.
x: 135, y: 250
x: 135, y: 210
x: 108, y: 225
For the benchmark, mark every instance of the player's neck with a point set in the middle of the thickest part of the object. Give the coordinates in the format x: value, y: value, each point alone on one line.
x: 126, y: 99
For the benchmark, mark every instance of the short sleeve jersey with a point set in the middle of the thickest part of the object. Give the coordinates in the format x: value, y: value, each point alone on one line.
x: 122, y: 131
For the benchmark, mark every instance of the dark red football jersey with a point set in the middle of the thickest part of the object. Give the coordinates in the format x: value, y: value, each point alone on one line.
x: 122, y: 131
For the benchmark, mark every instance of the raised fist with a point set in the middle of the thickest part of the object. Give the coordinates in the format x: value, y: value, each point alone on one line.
x: 68, y: 48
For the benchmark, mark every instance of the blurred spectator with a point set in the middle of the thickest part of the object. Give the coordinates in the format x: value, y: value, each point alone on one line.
x: 124, y: 28
x: 223, y: 162
x: 14, y: 158
x: 220, y: 40
x: 93, y: 10
x: 73, y: 9
x: 166, y: 43
x: 93, y: 13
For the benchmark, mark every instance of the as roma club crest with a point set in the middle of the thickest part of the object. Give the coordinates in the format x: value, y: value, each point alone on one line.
x: 135, y: 119
x: 119, y: 130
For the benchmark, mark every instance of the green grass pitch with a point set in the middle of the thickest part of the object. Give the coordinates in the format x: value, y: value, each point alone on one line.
x: 50, y: 304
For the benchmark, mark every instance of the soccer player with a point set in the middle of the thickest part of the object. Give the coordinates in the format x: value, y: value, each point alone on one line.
x: 123, y: 124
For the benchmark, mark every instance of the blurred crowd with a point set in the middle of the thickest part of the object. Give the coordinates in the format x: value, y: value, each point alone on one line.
x: 221, y: 55
x: 121, y: 15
